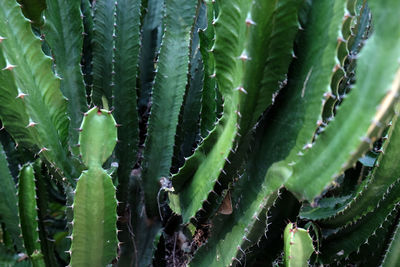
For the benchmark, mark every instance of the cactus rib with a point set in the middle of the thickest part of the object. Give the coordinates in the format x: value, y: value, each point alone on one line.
x: 356, y: 125
x: 65, y: 41
x: 167, y: 98
x: 46, y: 106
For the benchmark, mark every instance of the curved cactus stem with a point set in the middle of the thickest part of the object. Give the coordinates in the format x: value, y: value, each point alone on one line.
x: 269, y: 247
x: 210, y: 166
x: 13, y: 114
x: 298, y: 246
x: 168, y: 91
x: 271, y: 25
x: 228, y: 69
x: 253, y: 194
x: 372, y: 252
x: 361, y: 116
x: 231, y: 61
x: 385, y: 173
x: 342, y: 242
x: 46, y: 106
x: 65, y: 41
x: 299, y: 105
x: 233, y: 234
x: 392, y: 254
x: 292, y: 121
x: 188, y: 134
x: 8, y: 202
x: 268, y: 52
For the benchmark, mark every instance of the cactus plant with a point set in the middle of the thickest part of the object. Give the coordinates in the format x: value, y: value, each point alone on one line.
x: 298, y: 246
x: 189, y: 133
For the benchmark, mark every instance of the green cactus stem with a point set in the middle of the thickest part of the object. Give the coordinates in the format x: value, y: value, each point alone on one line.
x: 94, y: 234
x: 298, y: 246
x: 28, y: 215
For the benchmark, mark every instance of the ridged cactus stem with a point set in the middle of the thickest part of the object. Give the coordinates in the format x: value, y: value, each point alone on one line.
x: 168, y: 91
x: 29, y: 218
x: 9, y: 201
x: 298, y: 246
x: 94, y: 231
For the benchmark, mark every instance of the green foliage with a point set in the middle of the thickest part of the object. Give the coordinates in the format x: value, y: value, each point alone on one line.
x: 189, y: 133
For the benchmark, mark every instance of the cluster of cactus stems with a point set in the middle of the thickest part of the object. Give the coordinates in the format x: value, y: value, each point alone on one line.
x: 199, y: 133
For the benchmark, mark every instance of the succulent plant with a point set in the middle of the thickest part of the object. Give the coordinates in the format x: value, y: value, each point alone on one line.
x: 199, y: 132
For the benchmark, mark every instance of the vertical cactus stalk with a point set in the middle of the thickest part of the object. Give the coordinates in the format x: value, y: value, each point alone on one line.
x: 187, y: 134
x: 65, y: 41
x: 8, y: 202
x: 94, y: 234
x: 28, y: 215
x: 152, y: 31
x: 126, y: 57
x: 102, y: 42
x: 208, y: 101
x: 87, y: 12
x: 43, y: 212
x: 168, y: 91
